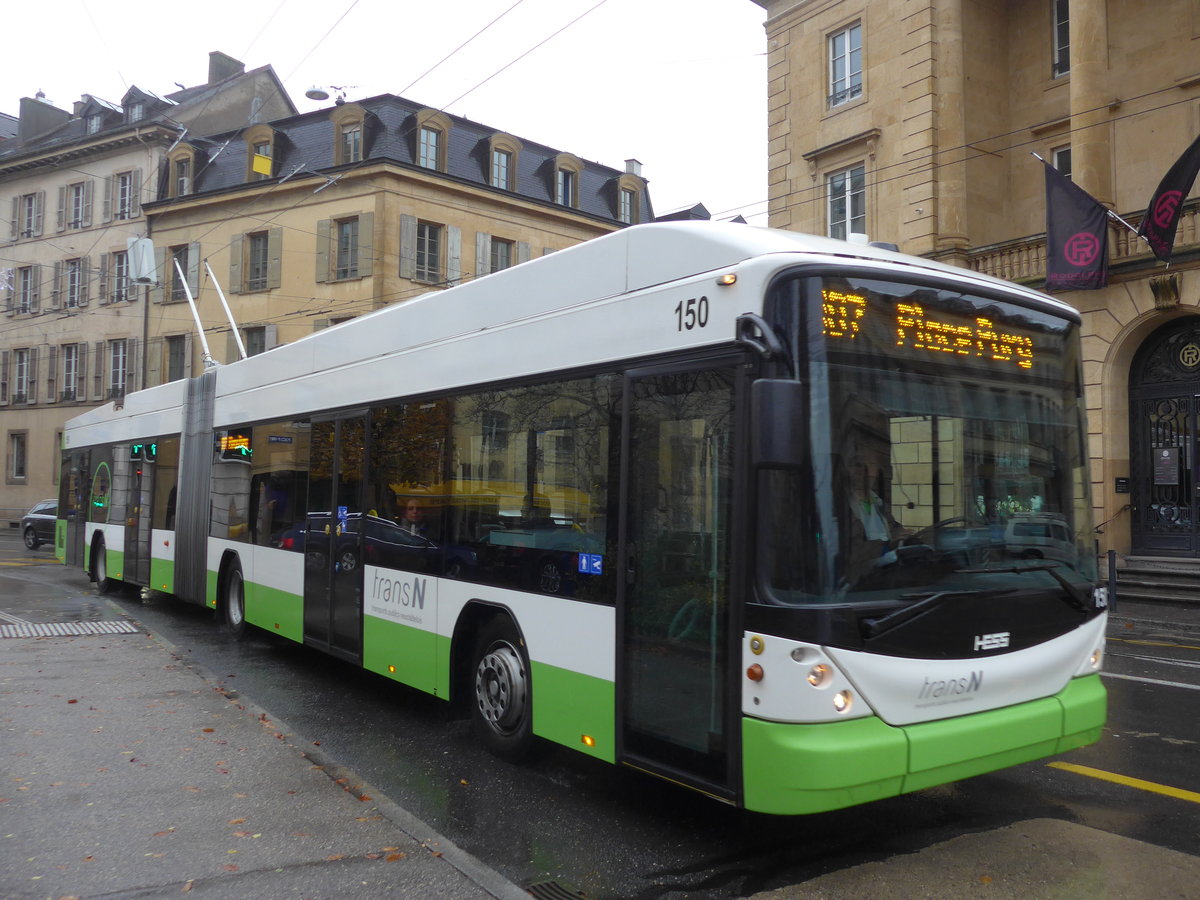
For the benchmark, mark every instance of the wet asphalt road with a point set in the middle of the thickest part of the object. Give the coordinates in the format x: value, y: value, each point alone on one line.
x: 611, y: 833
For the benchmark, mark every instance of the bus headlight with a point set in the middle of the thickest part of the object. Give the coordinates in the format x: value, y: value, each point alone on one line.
x: 819, y: 675
x: 842, y: 701
x: 1096, y: 660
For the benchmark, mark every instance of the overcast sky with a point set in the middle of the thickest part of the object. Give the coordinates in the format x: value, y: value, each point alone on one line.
x: 678, y: 84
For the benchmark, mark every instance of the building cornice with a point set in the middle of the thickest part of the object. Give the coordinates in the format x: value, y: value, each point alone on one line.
x: 56, y: 156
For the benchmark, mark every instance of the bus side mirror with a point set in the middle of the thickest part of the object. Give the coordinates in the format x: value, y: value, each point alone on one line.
x: 779, y: 418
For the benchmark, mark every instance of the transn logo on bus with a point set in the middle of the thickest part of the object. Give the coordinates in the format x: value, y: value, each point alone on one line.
x: 991, y: 641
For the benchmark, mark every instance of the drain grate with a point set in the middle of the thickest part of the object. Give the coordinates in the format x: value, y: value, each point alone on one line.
x: 555, y: 890
x: 65, y: 629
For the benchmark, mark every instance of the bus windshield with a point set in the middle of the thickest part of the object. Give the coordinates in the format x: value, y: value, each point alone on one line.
x: 946, y: 449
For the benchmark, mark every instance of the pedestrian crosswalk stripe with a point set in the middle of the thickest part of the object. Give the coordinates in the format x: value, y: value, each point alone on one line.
x: 65, y: 629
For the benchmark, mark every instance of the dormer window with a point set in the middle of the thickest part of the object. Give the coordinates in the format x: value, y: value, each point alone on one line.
x: 503, y: 150
x: 137, y: 111
x: 349, y: 133
x: 94, y: 123
x: 260, y: 152
x: 183, y: 177
x: 433, y: 136
x: 566, y: 179
x: 182, y: 168
x: 630, y: 188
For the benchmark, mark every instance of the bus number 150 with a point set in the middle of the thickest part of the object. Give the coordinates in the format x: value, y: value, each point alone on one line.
x: 691, y: 314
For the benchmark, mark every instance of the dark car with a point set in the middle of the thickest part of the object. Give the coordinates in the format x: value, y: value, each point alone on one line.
x: 37, y: 525
x: 386, y: 544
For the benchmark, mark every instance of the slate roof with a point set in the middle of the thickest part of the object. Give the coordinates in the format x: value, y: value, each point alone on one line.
x: 390, y: 135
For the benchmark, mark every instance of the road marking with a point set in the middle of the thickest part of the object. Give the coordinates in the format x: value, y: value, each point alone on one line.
x: 1178, y: 684
x: 1152, y: 787
x: 1153, y: 643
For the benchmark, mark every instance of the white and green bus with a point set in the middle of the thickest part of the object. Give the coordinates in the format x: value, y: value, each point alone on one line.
x: 794, y: 522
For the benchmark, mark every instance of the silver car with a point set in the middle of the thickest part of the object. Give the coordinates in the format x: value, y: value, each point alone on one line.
x: 37, y: 525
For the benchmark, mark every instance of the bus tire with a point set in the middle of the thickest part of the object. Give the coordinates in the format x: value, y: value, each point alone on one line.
x: 233, y: 601
x: 502, y: 705
x: 104, y: 584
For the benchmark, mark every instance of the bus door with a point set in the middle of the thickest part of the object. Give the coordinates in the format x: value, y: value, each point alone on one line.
x: 73, y: 505
x: 137, y: 521
x: 332, y: 537
x: 677, y: 712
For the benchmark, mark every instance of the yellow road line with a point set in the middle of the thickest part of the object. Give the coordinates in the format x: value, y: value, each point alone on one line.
x: 1152, y: 787
x: 1153, y: 643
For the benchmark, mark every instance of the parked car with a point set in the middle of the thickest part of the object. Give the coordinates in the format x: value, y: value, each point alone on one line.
x: 37, y: 525
x: 1040, y: 536
x: 386, y: 544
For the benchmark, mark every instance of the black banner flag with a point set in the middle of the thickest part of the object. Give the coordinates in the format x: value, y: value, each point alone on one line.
x: 1162, y: 216
x: 1076, y: 236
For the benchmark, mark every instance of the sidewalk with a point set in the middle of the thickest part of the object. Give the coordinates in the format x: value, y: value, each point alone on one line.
x: 124, y: 772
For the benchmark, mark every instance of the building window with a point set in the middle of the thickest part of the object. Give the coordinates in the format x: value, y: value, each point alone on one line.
x: 628, y: 210
x: 346, y: 264
x: 137, y: 111
x: 94, y: 121
x: 255, y: 340
x: 257, y: 261
x: 351, y: 142
x: 120, y: 277
x: 17, y: 455
x: 118, y: 368
x: 1062, y: 37
x: 125, y: 195
x: 501, y: 254
x: 29, y: 215
x: 21, y: 376
x: 27, y: 289
x: 429, y: 252
x: 176, y: 357
x: 70, y: 357
x: 178, y: 263
x: 76, y: 284
x: 429, y: 145
x: 260, y: 160
x: 1062, y: 160
x: 847, y: 202
x: 183, y: 177
x: 845, y: 65
x: 502, y: 169
x: 564, y: 187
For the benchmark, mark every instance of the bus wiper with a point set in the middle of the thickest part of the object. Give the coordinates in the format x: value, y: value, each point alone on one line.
x: 1073, y: 599
x: 875, y: 627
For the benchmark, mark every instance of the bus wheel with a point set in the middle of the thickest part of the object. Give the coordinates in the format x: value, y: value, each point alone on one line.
x: 104, y: 584
x: 235, y: 600
x: 502, y: 712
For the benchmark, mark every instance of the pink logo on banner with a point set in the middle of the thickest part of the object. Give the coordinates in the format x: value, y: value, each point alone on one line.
x: 1166, y: 208
x: 1081, y: 249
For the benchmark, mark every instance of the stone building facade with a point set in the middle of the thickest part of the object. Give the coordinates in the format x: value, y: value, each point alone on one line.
x: 914, y: 121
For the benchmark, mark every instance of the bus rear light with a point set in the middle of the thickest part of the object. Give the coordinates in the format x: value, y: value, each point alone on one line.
x: 842, y: 701
x: 755, y: 672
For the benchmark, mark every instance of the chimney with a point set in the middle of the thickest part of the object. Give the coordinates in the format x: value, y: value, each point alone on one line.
x: 38, y: 116
x: 633, y: 167
x: 222, y: 66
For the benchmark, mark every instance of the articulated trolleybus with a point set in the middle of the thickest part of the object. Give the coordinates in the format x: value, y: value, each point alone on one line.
x: 794, y: 522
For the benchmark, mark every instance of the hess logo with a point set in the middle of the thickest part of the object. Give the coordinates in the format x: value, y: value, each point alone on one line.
x: 991, y: 641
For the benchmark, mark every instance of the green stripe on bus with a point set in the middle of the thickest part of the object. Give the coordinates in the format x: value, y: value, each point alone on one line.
x: 795, y: 769
x: 162, y: 575
x: 571, y: 708
x: 276, y: 611
x: 404, y: 654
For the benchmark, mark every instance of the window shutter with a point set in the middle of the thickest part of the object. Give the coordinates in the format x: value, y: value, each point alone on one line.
x: 193, y: 272
x: 31, y: 388
x: 231, y: 349
x: 16, y: 229
x: 5, y: 356
x: 52, y: 376
x: 366, y: 244
x: 408, y: 246
x: 272, y: 336
x: 318, y: 325
x: 324, y: 235
x: 132, y: 365
x: 87, y: 203
x: 62, y: 208
x: 80, y: 386
x: 135, y: 193
x: 56, y: 285
x: 187, y: 355
x: 236, y: 249
x: 98, y: 373
x: 523, y: 252
x: 483, y: 253
x: 453, y: 253
x: 106, y: 208
x: 155, y: 347
x: 84, y: 278
x: 103, y: 295
x: 10, y: 295
x: 274, y: 258
x: 39, y: 208
x: 161, y: 276
x: 35, y: 295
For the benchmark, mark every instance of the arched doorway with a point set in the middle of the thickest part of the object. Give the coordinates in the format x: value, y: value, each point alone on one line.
x: 1164, y: 436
